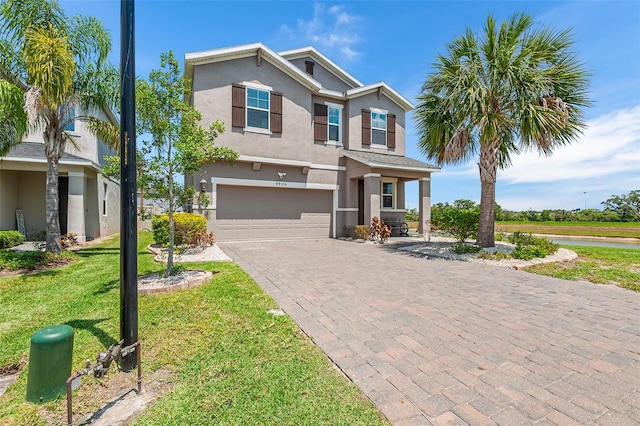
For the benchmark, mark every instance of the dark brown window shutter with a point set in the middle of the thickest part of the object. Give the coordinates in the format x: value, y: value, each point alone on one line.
x: 320, y: 120
x: 391, y: 131
x: 276, y: 112
x: 366, y: 127
x: 238, y: 100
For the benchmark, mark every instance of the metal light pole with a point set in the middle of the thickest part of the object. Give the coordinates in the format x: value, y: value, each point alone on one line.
x: 128, y: 220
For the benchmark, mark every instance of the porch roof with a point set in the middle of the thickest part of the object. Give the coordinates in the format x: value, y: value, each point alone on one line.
x: 33, y: 152
x: 374, y: 159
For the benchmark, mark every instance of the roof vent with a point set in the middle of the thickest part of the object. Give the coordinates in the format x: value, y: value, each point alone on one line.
x: 309, y: 66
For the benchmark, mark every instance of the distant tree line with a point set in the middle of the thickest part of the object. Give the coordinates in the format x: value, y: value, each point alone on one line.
x: 617, y: 208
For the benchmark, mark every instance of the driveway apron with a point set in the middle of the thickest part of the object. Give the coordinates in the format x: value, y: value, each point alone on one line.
x: 432, y: 341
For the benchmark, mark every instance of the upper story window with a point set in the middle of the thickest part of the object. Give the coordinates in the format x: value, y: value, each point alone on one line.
x: 327, y: 123
x: 71, y: 124
x: 378, y: 127
x: 256, y: 108
x: 335, y: 123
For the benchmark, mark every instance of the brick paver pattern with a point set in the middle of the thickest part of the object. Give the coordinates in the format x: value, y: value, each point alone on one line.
x: 432, y: 341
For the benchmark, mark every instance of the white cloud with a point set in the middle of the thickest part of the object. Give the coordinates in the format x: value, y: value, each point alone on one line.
x: 331, y: 30
x: 610, y: 144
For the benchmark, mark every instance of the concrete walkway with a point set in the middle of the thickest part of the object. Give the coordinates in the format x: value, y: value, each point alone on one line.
x: 446, y: 342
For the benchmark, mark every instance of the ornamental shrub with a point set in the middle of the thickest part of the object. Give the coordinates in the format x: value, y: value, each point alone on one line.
x: 361, y: 232
x: 529, y: 247
x: 188, y: 228
x: 10, y: 239
x: 461, y: 219
x: 462, y: 248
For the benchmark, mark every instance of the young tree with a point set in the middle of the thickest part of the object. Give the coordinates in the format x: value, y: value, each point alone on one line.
x: 179, y: 145
x: 513, y: 88
x: 49, y: 65
x: 627, y: 206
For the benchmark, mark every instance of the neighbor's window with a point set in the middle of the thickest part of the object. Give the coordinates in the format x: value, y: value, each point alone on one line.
x: 104, y: 199
x: 257, y: 108
x: 71, y: 125
x: 378, y: 127
x: 335, y: 123
x: 388, y: 194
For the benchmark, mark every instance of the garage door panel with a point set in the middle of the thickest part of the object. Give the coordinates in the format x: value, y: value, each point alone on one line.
x: 271, y: 213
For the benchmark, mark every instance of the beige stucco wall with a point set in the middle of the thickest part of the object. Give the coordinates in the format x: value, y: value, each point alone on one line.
x: 109, y: 223
x: 369, y: 101
x: 320, y: 74
x: 212, y: 97
x: 31, y: 196
x: 9, y: 197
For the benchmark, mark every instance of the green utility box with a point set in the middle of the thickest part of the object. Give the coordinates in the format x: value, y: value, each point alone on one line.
x: 50, y: 359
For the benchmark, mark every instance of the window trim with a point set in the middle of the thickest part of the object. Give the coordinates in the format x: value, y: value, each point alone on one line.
x: 340, y: 109
x: 256, y: 86
x: 386, y: 123
x: 70, y: 127
x: 394, y: 189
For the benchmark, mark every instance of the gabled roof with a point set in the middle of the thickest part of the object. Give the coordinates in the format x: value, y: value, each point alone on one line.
x: 373, y: 159
x: 281, y: 61
x: 246, y: 51
x: 319, y: 58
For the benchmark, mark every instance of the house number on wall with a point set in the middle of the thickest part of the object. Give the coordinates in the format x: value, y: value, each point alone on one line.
x: 281, y: 183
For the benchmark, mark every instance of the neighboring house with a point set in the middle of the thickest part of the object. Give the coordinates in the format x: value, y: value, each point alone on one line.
x: 318, y: 149
x: 89, y: 203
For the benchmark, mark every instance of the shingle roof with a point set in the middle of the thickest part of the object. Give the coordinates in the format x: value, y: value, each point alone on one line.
x: 35, y: 150
x: 374, y: 159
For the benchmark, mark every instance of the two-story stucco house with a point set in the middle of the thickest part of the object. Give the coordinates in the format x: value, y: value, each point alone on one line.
x: 318, y: 149
x: 89, y: 203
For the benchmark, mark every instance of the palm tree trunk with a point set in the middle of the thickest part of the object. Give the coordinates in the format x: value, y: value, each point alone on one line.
x: 488, y: 166
x: 52, y: 207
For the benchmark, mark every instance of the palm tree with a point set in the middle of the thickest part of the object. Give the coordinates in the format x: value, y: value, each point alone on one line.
x: 515, y: 88
x: 49, y: 64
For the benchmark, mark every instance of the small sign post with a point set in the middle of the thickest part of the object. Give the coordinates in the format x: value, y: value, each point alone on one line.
x: 20, y: 223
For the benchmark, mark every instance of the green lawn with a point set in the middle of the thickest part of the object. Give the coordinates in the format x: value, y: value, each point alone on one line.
x: 594, y: 229
x: 229, y: 361
x: 599, y: 265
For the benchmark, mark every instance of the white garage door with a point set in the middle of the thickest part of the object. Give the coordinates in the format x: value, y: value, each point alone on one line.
x: 247, y: 213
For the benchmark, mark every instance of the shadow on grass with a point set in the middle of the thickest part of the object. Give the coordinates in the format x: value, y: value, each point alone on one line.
x: 103, y: 251
x: 90, y: 326
x: 107, y: 287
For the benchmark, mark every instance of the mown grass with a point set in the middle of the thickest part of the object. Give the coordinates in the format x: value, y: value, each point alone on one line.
x: 599, y: 265
x: 230, y: 362
x: 593, y: 229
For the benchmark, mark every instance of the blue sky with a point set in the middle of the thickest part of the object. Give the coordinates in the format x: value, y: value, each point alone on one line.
x: 397, y: 42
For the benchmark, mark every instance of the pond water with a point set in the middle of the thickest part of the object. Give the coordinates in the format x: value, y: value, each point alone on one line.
x: 598, y: 243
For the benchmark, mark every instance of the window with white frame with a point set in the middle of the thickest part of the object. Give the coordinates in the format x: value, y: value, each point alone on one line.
x: 257, y: 108
x: 388, y: 193
x: 335, y: 123
x: 378, y: 127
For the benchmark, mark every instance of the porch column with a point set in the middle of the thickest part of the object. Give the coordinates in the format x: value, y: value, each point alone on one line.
x: 76, y: 210
x: 371, y: 197
x: 424, y: 189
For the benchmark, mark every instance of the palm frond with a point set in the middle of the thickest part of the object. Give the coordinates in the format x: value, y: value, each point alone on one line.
x: 17, y: 17
x: 107, y: 132
x: 49, y: 63
x: 90, y: 40
x: 13, y: 120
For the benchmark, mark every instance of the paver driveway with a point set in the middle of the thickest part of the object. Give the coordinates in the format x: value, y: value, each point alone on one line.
x: 431, y: 341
